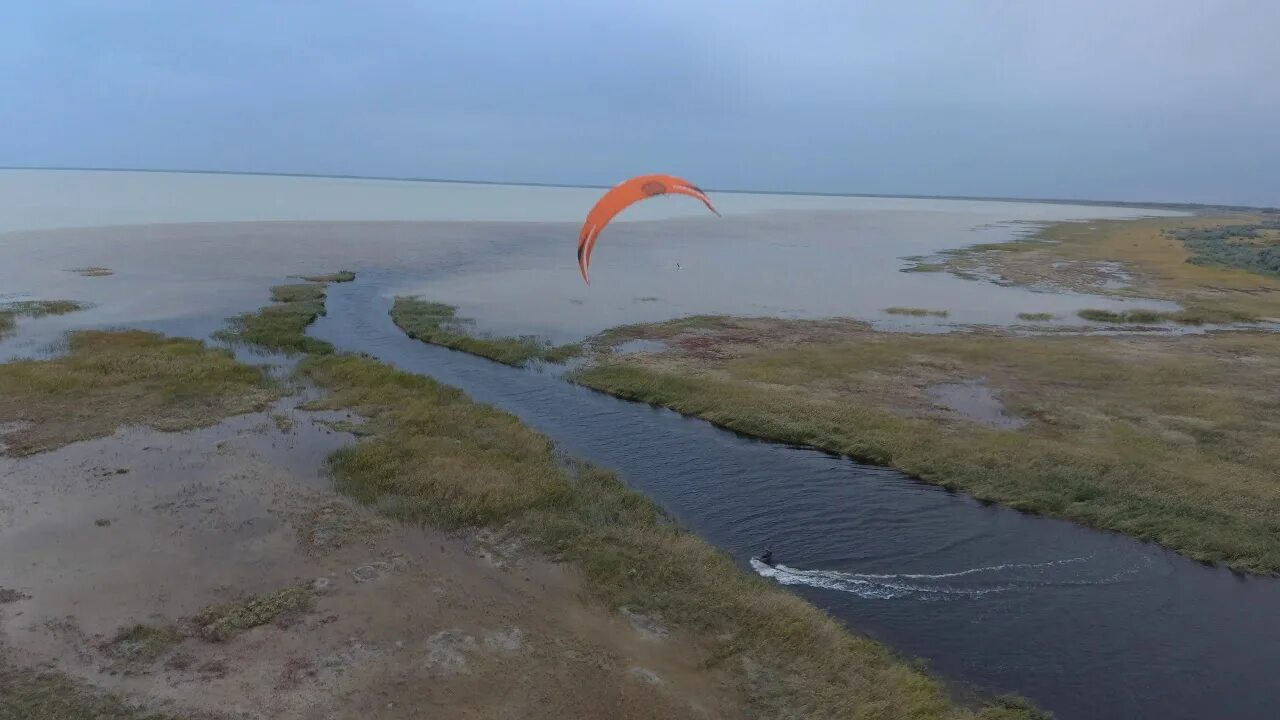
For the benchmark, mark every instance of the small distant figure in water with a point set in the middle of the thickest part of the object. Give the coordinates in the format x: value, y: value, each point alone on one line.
x: 767, y: 558
x: 677, y: 266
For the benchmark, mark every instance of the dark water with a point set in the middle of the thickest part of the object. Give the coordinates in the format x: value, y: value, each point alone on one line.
x: 1088, y: 624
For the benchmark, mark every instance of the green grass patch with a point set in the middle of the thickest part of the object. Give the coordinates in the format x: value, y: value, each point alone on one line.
x: 35, y: 695
x: 222, y: 622
x: 282, y: 326
x: 109, y: 379
x: 1196, y: 315
x: 298, y: 293
x: 340, y: 276
x: 439, y: 324
x: 1035, y: 317
x: 916, y: 312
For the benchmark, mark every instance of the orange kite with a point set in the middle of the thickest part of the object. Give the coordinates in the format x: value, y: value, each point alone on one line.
x: 622, y: 196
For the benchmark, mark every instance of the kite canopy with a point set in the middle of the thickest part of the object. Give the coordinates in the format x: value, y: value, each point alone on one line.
x: 622, y: 196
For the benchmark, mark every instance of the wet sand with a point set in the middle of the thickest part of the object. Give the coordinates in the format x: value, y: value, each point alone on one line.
x: 151, y: 528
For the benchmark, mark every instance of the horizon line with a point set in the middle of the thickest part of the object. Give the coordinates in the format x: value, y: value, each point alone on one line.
x: 737, y: 191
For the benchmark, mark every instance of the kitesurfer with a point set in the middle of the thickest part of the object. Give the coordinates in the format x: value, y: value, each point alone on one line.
x: 622, y: 196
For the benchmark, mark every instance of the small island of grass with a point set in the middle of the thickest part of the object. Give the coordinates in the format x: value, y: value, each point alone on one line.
x: 916, y: 312
x: 439, y: 324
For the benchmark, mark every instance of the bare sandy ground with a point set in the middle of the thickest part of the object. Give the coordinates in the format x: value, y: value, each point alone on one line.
x: 151, y: 528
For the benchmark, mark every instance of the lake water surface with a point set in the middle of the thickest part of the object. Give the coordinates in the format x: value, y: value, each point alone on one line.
x: 1089, y: 624
x: 189, y: 246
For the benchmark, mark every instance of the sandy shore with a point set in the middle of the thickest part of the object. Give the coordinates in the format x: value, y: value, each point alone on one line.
x: 149, y: 528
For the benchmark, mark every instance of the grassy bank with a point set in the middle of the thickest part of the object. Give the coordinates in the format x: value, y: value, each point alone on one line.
x: 109, y: 379
x: 1174, y: 439
x: 1219, y: 267
x: 439, y: 324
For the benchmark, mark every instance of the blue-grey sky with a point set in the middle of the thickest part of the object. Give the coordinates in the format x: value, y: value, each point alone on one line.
x: 1174, y: 100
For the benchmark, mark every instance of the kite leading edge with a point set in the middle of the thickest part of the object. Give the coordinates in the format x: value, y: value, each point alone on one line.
x: 622, y: 196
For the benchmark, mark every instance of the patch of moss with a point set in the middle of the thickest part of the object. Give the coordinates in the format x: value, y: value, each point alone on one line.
x: 222, y: 622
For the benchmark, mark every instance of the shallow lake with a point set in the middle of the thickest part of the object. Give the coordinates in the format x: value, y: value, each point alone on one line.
x: 193, y: 245
x: 1089, y: 624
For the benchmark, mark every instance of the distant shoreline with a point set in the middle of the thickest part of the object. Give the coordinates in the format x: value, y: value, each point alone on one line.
x: 1191, y: 207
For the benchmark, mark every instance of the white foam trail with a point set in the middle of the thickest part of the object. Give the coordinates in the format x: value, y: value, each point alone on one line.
x: 978, y: 570
x: 926, y: 586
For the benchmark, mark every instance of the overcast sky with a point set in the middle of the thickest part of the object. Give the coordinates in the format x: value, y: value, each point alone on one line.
x: 1173, y: 100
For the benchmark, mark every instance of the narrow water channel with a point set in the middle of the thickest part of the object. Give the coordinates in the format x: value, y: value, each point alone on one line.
x: 1088, y: 624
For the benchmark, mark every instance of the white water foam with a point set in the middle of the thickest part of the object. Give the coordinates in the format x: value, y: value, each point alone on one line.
x: 973, y: 582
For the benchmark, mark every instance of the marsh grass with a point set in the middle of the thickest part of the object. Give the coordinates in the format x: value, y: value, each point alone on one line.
x: 222, y: 622
x: 917, y: 312
x: 1035, y: 317
x: 282, y: 326
x: 49, y: 695
x: 9, y: 312
x: 298, y: 293
x: 1174, y: 439
x: 437, y: 457
x: 137, y: 647
x: 92, y: 271
x: 439, y: 324
x: 1191, y: 316
x: 1180, y: 259
x: 338, y: 277
x: 109, y: 379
